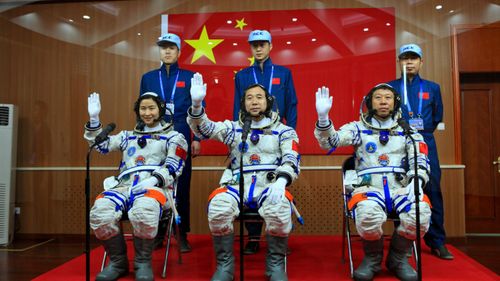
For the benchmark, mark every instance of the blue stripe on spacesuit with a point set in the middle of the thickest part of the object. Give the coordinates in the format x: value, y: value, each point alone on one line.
x: 250, y: 203
x: 201, y: 132
x: 402, y: 204
x: 148, y: 137
x: 116, y: 198
x: 376, y: 197
x: 387, y: 194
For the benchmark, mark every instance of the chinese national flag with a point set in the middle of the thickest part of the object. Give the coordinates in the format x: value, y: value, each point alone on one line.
x: 321, y: 47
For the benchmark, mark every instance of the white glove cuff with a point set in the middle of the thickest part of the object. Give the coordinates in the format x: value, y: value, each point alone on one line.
x: 323, y: 121
x: 281, y: 182
x: 94, y: 122
x: 196, y: 109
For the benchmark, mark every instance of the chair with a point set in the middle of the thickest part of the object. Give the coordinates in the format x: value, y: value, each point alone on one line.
x: 167, y: 215
x: 349, y: 177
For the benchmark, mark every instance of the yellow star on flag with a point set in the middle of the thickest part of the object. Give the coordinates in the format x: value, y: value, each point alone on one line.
x: 203, y: 46
x: 252, y: 60
x: 240, y: 24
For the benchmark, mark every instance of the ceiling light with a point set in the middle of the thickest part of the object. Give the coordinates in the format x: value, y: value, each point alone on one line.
x: 289, y: 42
x: 439, y: 7
x: 235, y: 44
x: 86, y: 17
x: 387, y: 24
x: 229, y: 22
x: 314, y: 39
x: 365, y: 29
x: 139, y: 34
x: 71, y: 20
x: 294, y: 19
x: 451, y: 11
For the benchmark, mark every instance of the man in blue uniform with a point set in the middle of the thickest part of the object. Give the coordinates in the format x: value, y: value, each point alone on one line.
x: 278, y: 81
x: 173, y: 85
x: 423, y: 109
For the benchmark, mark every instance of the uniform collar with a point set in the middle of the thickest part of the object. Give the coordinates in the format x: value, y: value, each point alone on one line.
x: 267, y: 63
x: 416, y: 79
x: 173, y: 67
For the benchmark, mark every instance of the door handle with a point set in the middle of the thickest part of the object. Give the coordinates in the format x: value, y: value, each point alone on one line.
x: 496, y: 163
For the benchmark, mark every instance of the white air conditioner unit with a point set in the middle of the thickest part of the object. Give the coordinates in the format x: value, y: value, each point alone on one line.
x: 8, y: 153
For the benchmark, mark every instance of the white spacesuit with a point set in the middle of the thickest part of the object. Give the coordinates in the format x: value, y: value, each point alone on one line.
x: 270, y: 162
x: 162, y: 156
x: 275, y: 153
x: 384, y: 161
x: 152, y: 158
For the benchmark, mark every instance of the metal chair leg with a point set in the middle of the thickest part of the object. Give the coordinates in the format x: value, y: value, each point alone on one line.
x: 104, y: 257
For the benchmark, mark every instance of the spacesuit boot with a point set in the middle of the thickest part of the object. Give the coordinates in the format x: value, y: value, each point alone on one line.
x: 372, y: 261
x: 142, y: 262
x: 118, y: 263
x: 223, y: 246
x: 275, y: 259
x: 397, y: 261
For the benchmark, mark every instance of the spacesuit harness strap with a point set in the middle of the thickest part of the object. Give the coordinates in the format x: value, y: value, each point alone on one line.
x: 377, y: 170
x: 257, y: 168
x: 138, y: 169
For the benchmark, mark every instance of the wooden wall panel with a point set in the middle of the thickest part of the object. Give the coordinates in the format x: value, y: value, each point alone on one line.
x: 49, y: 79
x: 476, y: 55
x: 54, y: 201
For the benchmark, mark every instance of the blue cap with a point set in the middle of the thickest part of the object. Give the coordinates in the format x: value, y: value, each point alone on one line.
x: 410, y: 48
x: 259, y: 35
x: 171, y: 38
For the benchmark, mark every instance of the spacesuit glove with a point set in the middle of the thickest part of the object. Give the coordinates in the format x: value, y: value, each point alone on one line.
x: 410, y: 191
x: 277, y: 190
x: 142, y: 185
x: 323, y: 105
x: 198, y: 90
x: 94, y: 108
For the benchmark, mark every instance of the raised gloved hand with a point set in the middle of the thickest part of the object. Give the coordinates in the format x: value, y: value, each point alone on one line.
x: 142, y: 185
x: 198, y: 90
x: 94, y: 108
x: 323, y: 105
x: 277, y: 190
x: 410, y: 191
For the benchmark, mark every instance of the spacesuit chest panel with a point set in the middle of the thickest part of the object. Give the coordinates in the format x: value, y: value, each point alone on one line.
x: 150, y: 151
x: 375, y: 154
x: 264, y: 151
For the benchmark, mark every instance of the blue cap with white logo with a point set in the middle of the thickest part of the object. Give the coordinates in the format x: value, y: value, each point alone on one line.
x: 170, y: 38
x: 259, y: 35
x: 410, y: 48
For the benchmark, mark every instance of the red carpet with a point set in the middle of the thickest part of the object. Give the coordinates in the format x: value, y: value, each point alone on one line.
x: 312, y: 258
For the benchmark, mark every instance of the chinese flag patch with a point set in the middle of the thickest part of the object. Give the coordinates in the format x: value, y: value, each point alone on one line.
x: 276, y: 81
x: 179, y: 151
x: 295, y: 146
x: 424, y: 95
x: 422, y: 147
x: 181, y: 84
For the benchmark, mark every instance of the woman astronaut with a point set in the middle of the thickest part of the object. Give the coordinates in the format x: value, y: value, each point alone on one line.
x: 153, y: 156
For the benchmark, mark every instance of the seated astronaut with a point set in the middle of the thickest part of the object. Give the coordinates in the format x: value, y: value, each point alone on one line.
x: 384, y: 184
x: 270, y: 163
x: 153, y: 156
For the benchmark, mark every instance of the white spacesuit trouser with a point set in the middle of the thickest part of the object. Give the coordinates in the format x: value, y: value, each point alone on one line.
x: 223, y: 209
x: 144, y: 214
x: 369, y: 217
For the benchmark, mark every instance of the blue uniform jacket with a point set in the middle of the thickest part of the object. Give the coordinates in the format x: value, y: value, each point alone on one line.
x: 282, y: 89
x: 432, y: 104
x: 150, y: 82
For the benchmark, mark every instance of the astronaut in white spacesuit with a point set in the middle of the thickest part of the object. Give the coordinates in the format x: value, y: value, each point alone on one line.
x: 270, y: 163
x: 153, y: 156
x: 384, y: 183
